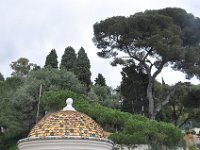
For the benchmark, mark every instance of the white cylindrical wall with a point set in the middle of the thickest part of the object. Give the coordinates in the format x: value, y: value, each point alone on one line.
x: 65, y: 144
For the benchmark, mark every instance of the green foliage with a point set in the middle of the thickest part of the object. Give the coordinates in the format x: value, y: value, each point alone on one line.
x: 21, y: 67
x: 12, y: 147
x: 140, y: 31
x: 51, y: 59
x: 129, y: 140
x: 83, y: 67
x: 103, y: 115
x: 149, y: 132
x: 105, y: 96
x: 133, y: 89
x: 103, y: 92
x: 132, y: 129
x: 182, y: 107
x: 51, y: 79
x: 100, y: 80
x: 161, y: 90
x: 57, y: 79
x: 92, y: 95
x: 1, y: 77
x: 192, y: 100
x: 9, y: 115
x: 187, y: 22
x: 189, y: 25
x: 9, y: 86
x: 174, y: 111
x: 20, y: 112
x: 9, y: 119
x: 111, y: 102
x: 55, y: 100
x: 68, y: 60
x: 19, y: 98
x: 153, y: 39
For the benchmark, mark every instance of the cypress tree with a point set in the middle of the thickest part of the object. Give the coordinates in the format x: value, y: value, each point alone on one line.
x: 51, y: 59
x: 1, y: 77
x: 83, y: 67
x: 68, y: 60
x: 133, y: 86
x: 100, y: 80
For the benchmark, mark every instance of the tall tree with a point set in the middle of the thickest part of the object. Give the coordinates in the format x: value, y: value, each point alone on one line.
x: 68, y: 60
x: 152, y: 39
x: 21, y: 67
x: 9, y: 113
x: 51, y: 59
x: 192, y: 100
x: 133, y: 86
x: 1, y: 77
x: 83, y: 67
x: 174, y: 111
x: 183, y: 107
x: 100, y: 80
x: 103, y: 92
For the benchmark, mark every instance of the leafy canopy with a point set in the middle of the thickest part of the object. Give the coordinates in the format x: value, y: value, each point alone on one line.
x: 22, y: 67
x: 68, y: 60
x: 83, y: 67
x: 169, y: 35
x: 152, y: 40
x: 133, y: 86
x: 100, y: 80
x: 132, y: 129
x: 51, y: 59
x: 1, y: 77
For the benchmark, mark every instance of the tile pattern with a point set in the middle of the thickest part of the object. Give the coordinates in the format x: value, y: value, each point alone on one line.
x: 67, y: 123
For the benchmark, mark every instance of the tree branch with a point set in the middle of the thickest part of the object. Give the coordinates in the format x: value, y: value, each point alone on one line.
x: 147, y: 68
x: 188, y: 118
x: 133, y: 56
x: 158, y: 70
x: 147, y: 54
x: 163, y: 103
x: 180, y: 111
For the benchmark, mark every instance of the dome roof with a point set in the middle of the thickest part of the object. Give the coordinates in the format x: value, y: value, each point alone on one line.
x: 67, y: 123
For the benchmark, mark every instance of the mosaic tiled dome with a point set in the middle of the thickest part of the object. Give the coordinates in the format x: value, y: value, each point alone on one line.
x: 67, y: 123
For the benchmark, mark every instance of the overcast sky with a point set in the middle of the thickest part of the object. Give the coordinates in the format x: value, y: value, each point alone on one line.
x: 31, y: 28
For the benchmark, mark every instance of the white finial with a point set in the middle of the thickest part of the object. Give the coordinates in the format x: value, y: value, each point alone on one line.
x: 69, y: 106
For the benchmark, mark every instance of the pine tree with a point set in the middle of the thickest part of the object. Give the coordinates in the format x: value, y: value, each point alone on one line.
x: 100, y: 80
x: 68, y: 60
x: 83, y: 67
x: 51, y: 59
x: 1, y: 77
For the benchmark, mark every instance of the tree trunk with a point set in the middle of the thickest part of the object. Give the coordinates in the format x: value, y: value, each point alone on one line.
x: 150, y: 99
x: 175, y: 116
x: 159, y: 106
x: 38, y: 105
